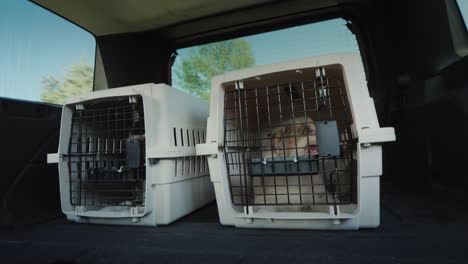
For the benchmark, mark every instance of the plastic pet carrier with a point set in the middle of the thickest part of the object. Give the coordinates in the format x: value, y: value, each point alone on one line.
x: 296, y: 145
x: 127, y: 156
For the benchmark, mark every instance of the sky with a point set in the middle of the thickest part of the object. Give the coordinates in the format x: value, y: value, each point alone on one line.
x: 463, y: 5
x: 35, y: 43
x: 299, y: 42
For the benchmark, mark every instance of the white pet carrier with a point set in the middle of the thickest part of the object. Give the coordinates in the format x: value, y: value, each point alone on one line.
x: 296, y: 145
x: 127, y: 156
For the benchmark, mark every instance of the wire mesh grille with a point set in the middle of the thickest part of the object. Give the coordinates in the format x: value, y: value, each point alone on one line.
x: 271, y: 150
x: 106, y: 154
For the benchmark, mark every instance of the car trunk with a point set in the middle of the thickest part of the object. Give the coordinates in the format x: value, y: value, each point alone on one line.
x: 415, y: 66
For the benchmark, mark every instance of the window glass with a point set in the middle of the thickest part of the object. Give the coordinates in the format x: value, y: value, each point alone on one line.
x: 463, y: 6
x: 43, y: 56
x: 195, y: 66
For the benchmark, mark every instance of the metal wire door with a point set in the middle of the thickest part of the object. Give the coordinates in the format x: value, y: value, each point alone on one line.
x: 106, y: 155
x: 271, y: 147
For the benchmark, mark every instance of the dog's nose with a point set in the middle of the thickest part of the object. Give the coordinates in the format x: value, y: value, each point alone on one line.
x: 313, y: 150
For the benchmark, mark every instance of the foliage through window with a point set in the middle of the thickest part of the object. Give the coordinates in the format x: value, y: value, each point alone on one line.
x: 195, y: 70
x: 196, y: 66
x: 44, y: 57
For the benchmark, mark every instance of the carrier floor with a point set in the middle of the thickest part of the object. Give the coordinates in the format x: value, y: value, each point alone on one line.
x: 415, y: 229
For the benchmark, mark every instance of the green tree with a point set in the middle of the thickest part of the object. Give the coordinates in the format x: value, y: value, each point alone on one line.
x: 194, y: 72
x: 77, y: 80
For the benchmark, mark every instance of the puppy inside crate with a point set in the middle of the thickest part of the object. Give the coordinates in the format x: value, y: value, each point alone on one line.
x: 290, y: 143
